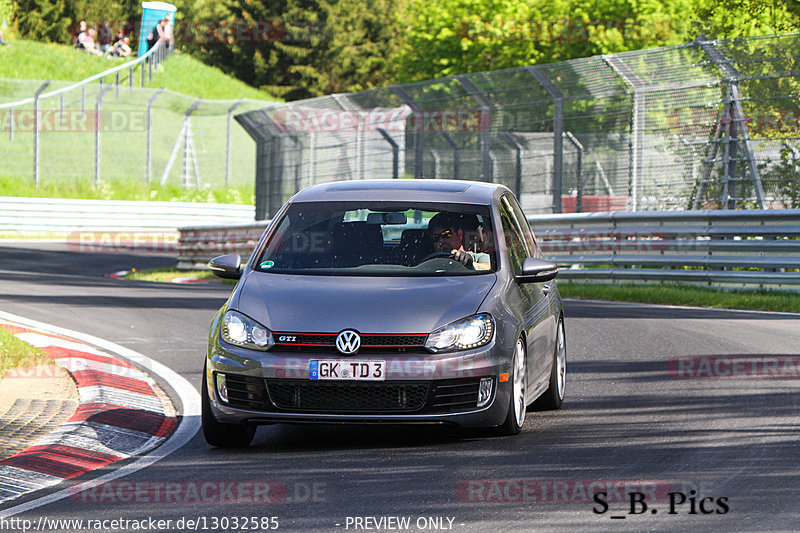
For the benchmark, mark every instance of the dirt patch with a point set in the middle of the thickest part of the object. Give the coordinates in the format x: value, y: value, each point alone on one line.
x: 41, y: 382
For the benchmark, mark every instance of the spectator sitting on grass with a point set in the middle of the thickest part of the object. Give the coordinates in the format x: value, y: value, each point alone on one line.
x: 87, y: 42
x: 121, y: 48
x: 2, y: 42
x: 76, y: 40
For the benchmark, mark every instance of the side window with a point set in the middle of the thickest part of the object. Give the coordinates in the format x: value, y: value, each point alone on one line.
x: 522, y: 222
x: 513, y: 237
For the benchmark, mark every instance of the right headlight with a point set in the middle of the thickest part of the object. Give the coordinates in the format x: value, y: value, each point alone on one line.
x: 465, y: 334
x: 241, y: 330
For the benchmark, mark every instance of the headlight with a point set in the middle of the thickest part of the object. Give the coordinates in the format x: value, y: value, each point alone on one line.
x: 241, y: 330
x: 465, y: 334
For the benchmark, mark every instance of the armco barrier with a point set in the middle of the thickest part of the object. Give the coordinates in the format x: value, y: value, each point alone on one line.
x: 721, y: 248
x: 58, y: 216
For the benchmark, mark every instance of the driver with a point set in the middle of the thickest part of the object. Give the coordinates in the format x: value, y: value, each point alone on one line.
x: 447, y: 236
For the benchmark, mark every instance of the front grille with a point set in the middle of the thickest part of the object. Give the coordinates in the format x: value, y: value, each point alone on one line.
x: 454, y: 395
x: 332, y: 397
x: 322, y: 342
x: 302, y: 395
x: 246, y: 392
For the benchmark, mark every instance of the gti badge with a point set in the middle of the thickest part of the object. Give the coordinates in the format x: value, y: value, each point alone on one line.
x: 348, y: 342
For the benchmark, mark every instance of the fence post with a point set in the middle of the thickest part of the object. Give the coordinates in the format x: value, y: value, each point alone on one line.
x: 149, y: 133
x: 97, y: 107
x: 130, y: 80
x: 636, y: 84
x: 116, y: 84
x: 39, y: 91
x: 418, y: 123
x: 456, y: 155
x: 485, y: 121
x: 558, y: 134
x: 518, y: 149
x: 395, y: 152
x: 579, y: 171
x: 228, y: 140
x: 188, y: 145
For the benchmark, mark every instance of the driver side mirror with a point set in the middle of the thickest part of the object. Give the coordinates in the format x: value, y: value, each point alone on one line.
x: 536, y: 270
x: 228, y: 266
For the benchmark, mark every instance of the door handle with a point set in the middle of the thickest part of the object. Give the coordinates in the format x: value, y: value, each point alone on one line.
x: 545, y: 289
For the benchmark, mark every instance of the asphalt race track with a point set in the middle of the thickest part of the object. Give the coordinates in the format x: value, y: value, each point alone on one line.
x: 684, y: 408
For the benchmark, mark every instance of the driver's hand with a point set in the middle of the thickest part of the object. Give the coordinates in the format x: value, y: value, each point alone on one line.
x: 462, y: 257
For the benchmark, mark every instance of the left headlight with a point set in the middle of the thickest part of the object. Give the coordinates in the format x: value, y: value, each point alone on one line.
x: 465, y: 334
x: 241, y: 330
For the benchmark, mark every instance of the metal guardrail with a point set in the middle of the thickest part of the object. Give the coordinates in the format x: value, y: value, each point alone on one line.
x: 59, y: 216
x: 721, y: 248
x: 158, y: 53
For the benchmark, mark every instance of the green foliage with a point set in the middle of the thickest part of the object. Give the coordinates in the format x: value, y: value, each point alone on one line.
x: 275, y: 45
x: 363, y: 34
x: 783, y: 177
x: 459, y: 36
x: 724, y: 19
x: 43, y: 20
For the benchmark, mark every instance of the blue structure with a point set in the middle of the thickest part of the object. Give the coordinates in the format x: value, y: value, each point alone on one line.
x: 152, y: 13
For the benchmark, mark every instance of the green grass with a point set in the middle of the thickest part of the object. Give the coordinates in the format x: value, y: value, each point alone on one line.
x: 15, y: 353
x: 168, y: 274
x: 127, y: 190
x: 673, y: 294
x: 30, y: 60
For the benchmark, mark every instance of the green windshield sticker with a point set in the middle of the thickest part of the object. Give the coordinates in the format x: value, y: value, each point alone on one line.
x: 267, y: 264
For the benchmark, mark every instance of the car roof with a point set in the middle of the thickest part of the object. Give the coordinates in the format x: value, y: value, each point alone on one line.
x: 420, y: 190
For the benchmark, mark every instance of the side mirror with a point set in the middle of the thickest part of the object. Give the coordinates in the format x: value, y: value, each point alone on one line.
x: 537, y: 270
x: 228, y: 266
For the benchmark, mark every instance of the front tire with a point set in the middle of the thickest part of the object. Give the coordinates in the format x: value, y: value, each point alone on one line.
x: 519, y: 385
x: 553, y: 397
x: 218, y: 433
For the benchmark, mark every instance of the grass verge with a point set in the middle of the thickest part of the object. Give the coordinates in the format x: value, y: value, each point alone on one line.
x: 127, y: 190
x: 672, y: 294
x: 15, y: 353
x: 168, y: 274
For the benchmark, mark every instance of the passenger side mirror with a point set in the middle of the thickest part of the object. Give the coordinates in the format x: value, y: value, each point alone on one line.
x: 228, y: 266
x: 536, y: 270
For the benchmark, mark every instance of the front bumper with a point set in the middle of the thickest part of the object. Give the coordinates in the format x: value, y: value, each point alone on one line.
x: 273, y: 387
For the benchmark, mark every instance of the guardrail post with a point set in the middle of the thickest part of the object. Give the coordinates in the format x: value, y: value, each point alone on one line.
x: 228, y: 140
x: 558, y: 134
x: 395, y: 152
x: 149, y: 133
x: 39, y: 91
x: 97, y: 108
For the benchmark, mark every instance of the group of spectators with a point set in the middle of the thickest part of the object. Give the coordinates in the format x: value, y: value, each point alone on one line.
x: 101, y: 41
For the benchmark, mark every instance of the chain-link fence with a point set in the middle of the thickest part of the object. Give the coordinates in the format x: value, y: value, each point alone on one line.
x: 708, y: 124
x: 115, y: 129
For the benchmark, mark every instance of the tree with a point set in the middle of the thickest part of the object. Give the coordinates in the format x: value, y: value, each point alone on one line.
x: 44, y: 20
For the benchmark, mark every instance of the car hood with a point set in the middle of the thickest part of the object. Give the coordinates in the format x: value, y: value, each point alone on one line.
x: 328, y: 304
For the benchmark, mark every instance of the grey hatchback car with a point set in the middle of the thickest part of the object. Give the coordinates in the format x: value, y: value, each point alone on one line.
x: 387, y: 301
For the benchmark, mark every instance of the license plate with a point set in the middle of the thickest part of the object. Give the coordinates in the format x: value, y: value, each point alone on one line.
x: 349, y: 370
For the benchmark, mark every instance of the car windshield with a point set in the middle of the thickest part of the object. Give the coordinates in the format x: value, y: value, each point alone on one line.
x: 380, y: 239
